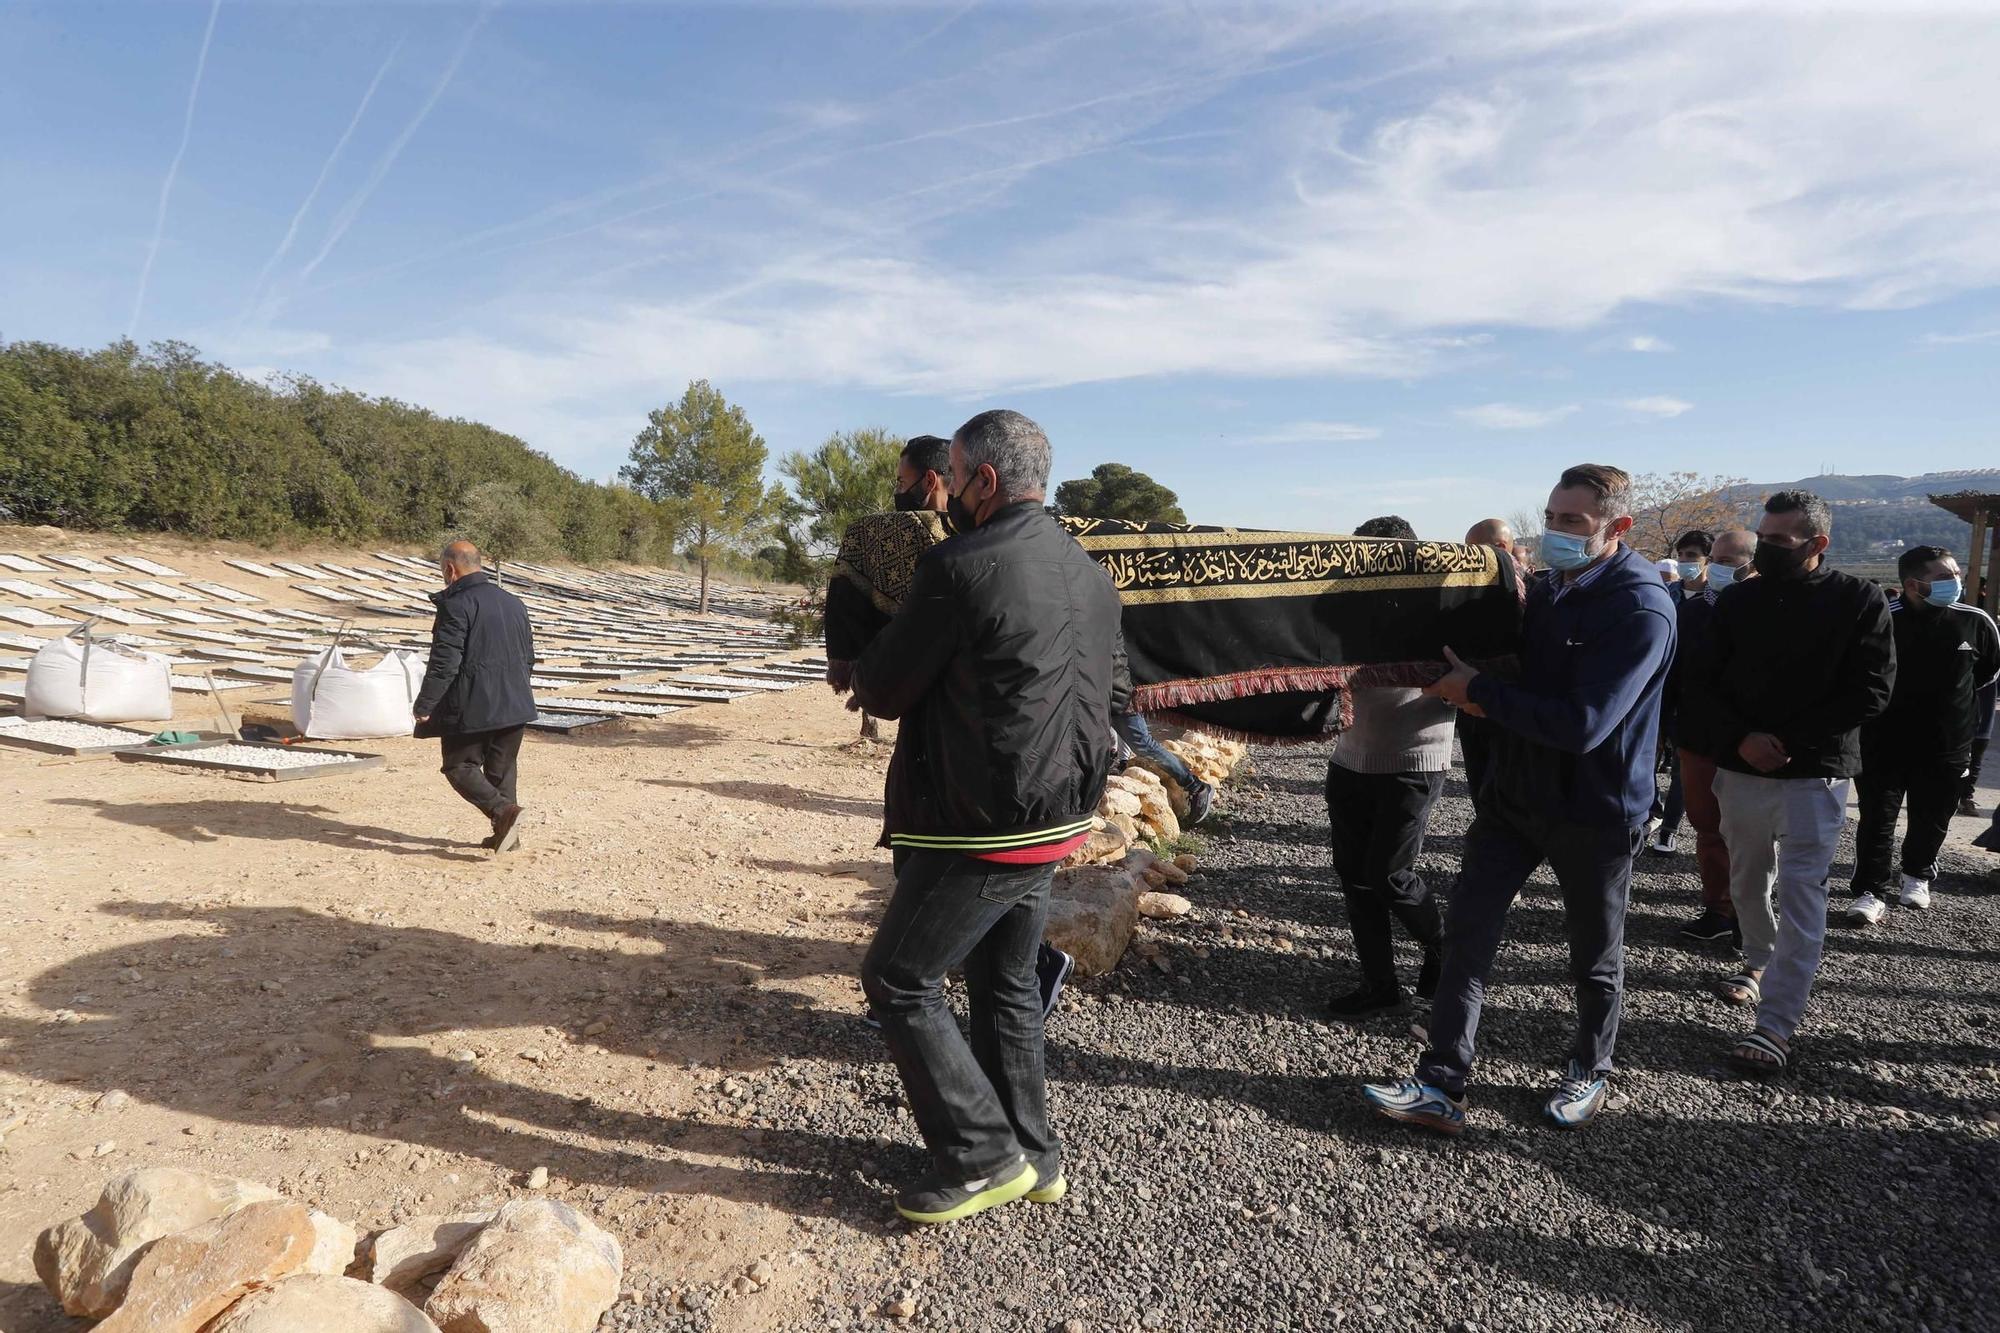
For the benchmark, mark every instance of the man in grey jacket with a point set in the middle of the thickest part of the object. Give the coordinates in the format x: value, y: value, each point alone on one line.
x: 1387, y: 770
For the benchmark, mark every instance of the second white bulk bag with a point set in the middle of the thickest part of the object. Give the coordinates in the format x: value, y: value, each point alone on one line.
x: 96, y: 680
x: 334, y: 701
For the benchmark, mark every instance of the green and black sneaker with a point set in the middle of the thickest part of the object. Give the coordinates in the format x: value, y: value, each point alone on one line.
x: 1050, y: 1185
x: 935, y: 1201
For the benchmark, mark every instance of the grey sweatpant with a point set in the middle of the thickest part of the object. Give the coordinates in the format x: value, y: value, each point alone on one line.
x: 1781, y: 834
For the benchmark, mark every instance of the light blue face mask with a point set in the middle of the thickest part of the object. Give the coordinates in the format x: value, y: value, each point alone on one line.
x: 1944, y: 592
x: 1721, y: 576
x: 1689, y: 570
x: 1562, y: 551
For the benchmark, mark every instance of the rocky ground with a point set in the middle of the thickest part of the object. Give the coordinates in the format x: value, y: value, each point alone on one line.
x: 323, y: 987
x: 1226, y: 1176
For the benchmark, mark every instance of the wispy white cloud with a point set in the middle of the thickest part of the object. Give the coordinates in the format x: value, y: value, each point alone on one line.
x: 173, y: 171
x: 1953, y: 339
x: 1657, y: 406
x: 352, y: 208
x: 1512, y: 416
x: 1646, y: 342
x: 1314, y: 432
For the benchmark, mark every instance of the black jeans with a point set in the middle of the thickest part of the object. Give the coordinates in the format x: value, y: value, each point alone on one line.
x: 1931, y: 787
x: 1377, y: 821
x: 1670, y: 805
x: 480, y: 765
x: 1970, y: 788
x: 1138, y: 737
x: 1593, y: 867
x: 977, y: 1103
x: 1475, y: 742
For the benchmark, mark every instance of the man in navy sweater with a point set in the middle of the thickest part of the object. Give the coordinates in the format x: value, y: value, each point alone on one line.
x: 1572, y: 783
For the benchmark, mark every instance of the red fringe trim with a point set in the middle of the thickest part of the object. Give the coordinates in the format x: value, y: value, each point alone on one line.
x: 1167, y: 698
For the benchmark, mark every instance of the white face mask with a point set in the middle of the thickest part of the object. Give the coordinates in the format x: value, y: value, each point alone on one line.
x: 1721, y: 576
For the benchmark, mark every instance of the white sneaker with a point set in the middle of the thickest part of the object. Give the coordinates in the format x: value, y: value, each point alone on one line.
x: 1867, y: 910
x: 1662, y: 842
x: 1915, y: 892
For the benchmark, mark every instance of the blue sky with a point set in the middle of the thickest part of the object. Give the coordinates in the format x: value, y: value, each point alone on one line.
x: 1303, y: 263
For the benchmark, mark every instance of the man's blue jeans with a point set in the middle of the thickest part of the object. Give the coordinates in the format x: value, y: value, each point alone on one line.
x: 981, y: 1102
x: 1132, y: 728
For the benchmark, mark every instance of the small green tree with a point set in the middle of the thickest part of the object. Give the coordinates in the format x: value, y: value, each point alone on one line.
x: 701, y: 460
x: 1113, y: 490
x: 850, y: 476
x: 500, y: 521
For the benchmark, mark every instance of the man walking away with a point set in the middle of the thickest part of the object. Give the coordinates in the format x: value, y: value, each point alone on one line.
x: 1921, y: 745
x: 1572, y: 782
x: 1984, y: 702
x: 1728, y: 564
x: 1475, y: 734
x: 1385, y: 775
x: 1690, y: 584
x: 1003, y: 666
x: 476, y: 697
x: 1798, y: 659
x: 1132, y: 728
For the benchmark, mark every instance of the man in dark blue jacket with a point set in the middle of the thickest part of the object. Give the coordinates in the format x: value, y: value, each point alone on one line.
x: 476, y: 696
x: 1572, y: 784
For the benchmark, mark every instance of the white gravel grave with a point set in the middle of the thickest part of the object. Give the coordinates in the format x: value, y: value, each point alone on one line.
x: 56, y: 731
x: 252, y: 756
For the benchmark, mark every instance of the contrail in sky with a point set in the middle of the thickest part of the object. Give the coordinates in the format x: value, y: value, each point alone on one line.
x: 173, y: 170
x: 340, y: 145
x: 352, y: 208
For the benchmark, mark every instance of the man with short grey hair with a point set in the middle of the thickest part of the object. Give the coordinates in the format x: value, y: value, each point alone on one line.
x: 476, y: 696
x: 1003, y: 664
x: 1798, y: 659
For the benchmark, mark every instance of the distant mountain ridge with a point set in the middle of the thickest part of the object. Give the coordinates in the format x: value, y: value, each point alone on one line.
x: 1836, y: 488
x: 1876, y: 515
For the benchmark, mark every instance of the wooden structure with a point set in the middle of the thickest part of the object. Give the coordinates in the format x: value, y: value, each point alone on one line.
x: 1982, y: 561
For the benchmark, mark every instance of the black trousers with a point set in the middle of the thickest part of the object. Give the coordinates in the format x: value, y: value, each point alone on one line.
x: 1970, y: 788
x: 480, y: 766
x: 979, y: 1102
x: 1931, y: 789
x: 1475, y: 742
x: 1377, y: 821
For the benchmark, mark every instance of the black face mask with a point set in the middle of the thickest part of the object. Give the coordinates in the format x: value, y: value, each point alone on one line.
x: 912, y: 499
x: 959, y: 512
x: 1778, y: 562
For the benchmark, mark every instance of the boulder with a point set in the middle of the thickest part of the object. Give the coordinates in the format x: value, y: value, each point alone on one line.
x: 181, y: 1282
x: 1092, y: 913
x: 1163, y: 906
x: 1104, y: 844
x: 1157, y: 813
x: 538, y: 1267
x: 403, y: 1256
x: 318, y: 1303
x: 1126, y: 824
x: 86, y: 1261
x: 333, y: 1245
x: 1176, y: 794
x: 1119, y: 801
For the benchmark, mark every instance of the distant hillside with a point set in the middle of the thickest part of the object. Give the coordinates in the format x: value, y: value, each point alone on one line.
x: 1881, y: 514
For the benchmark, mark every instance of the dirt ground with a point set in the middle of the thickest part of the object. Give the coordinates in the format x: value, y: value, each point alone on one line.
x: 326, y: 985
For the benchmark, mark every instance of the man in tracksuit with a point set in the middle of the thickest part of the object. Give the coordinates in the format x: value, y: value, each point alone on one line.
x: 1004, y: 666
x: 1921, y: 745
x: 1572, y: 784
x: 1798, y: 659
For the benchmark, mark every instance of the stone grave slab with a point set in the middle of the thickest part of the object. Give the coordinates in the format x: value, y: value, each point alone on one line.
x: 303, y: 571
x: 741, y: 683
x: 145, y: 566
x: 83, y: 564
x: 223, y: 592
x: 165, y: 592
x: 612, y: 706
x: 32, y: 642
x: 565, y: 724
x: 102, y: 591
x: 252, y: 567
x: 61, y: 736
x: 308, y: 617
x: 684, y: 694
x: 117, y: 615
x: 199, y: 684
x: 32, y: 591
x: 324, y: 592
x: 278, y: 763
x: 21, y: 564
x: 187, y: 616
x: 248, y: 614
x: 34, y: 616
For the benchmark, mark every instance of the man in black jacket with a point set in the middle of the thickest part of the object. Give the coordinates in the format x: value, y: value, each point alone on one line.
x: 476, y: 697
x: 1002, y: 664
x: 1728, y: 563
x: 852, y: 618
x: 1798, y: 659
x: 1921, y: 746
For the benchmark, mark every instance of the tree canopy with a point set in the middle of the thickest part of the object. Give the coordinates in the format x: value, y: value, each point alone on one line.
x: 1113, y: 490
x: 160, y: 440
x: 851, y: 475
x: 702, y: 461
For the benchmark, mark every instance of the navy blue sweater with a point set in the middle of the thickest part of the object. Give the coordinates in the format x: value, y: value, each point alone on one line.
x: 1576, y: 736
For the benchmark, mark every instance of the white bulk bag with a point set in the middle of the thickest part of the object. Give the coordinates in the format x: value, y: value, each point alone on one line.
x: 96, y: 680
x: 333, y: 701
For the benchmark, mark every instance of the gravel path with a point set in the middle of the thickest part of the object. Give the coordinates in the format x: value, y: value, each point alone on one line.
x: 1225, y: 1174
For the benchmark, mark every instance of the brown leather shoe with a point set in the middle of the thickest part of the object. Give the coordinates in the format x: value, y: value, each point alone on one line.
x: 507, y: 829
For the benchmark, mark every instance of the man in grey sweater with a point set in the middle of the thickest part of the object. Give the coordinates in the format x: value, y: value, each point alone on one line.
x: 1387, y: 770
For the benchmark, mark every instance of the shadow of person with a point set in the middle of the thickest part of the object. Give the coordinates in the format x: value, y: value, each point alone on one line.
x: 219, y: 820
x: 783, y: 797
x: 293, y: 1018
